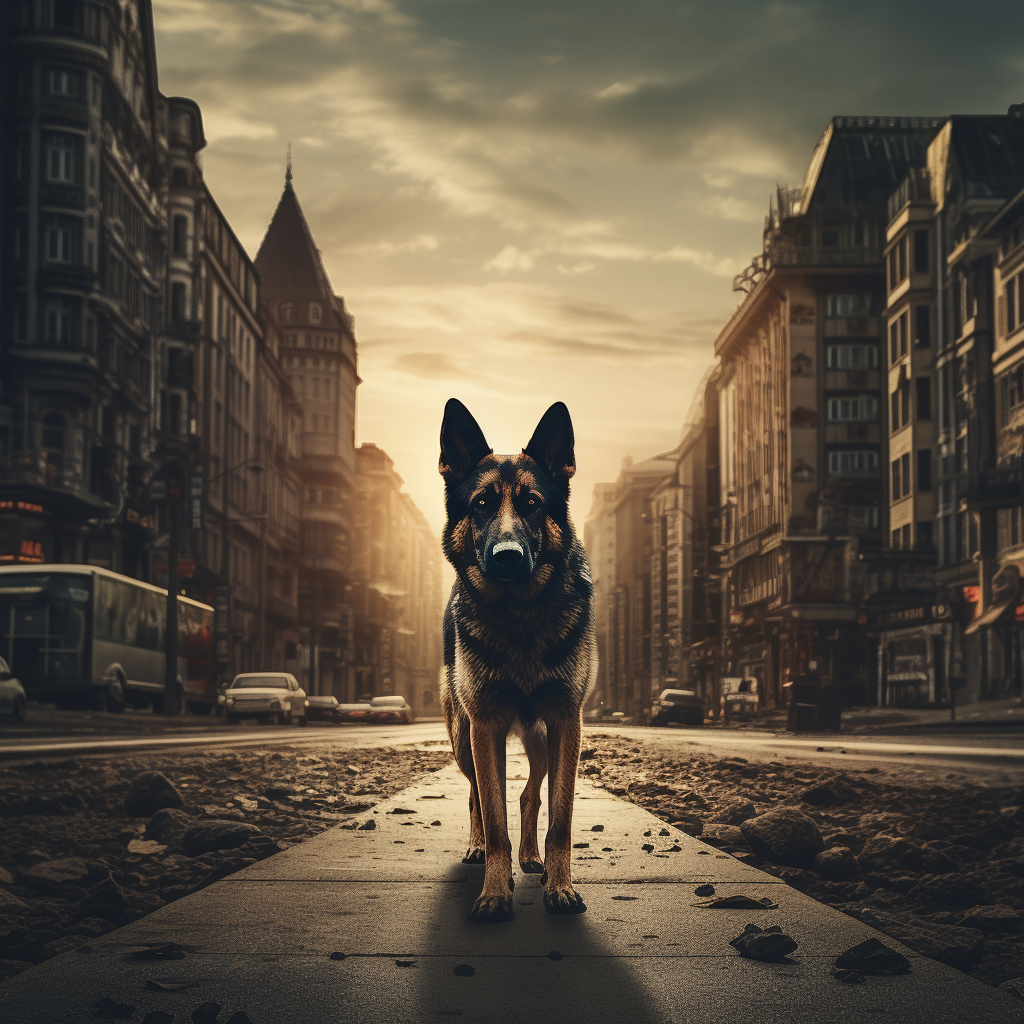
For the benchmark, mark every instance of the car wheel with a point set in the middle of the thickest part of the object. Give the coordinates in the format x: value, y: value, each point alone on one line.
x: 111, y: 697
x: 304, y: 720
x: 283, y: 718
x: 19, y: 709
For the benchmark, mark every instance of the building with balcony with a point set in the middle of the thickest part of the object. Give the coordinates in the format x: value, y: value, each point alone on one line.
x: 82, y: 296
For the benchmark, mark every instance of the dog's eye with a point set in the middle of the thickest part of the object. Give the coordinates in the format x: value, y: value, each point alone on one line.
x: 532, y: 501
x: 481, y: 502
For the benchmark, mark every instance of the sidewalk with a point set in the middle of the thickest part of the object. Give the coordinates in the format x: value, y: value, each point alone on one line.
x: 395, y: 902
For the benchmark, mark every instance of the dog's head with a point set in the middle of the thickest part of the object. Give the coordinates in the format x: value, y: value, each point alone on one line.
x: 508, y: 517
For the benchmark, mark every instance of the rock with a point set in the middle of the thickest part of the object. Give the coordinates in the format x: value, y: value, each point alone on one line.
x: 826, y: 794
x: 837, y: 863
x: 588, y: 754
x: 992, y: 919
x: 724, y: 836
x: 763, y: 944
x: 784, y: 835
x: 938, y: 862
x: 64, y: 944
x: 280, y: 791
x: 842, y: 974
x: 167, y: 825
x: 691, y: 825
x: 948, y: 892
x: 148, y: 793
x: 368, y: 826
x: 107, y: 900
x: 91, y: 928
x: 216, y: 834
x: 1015, y: 986
x: 227, y: 867
x: 6, y: 877
x: 958, y: 947
x: 735, y: 812
x: 56, y: 875
x: 206, y: 1013
x: 704, y: 890
x: 145, y: 847
x: 889, y: 854
x: 873, y: 957
x: 34, y: 805
x: 9, y: 968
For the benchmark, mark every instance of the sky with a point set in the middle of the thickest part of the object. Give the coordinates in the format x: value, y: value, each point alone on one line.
x: 527, y: 201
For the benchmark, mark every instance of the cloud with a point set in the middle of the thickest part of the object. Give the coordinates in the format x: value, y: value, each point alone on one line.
x: 510, y: 258
x: 432, y: 366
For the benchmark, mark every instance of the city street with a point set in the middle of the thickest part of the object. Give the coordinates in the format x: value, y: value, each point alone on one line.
x: 368, y: 919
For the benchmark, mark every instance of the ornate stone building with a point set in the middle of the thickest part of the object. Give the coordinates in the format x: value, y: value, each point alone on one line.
x: 318, y: 354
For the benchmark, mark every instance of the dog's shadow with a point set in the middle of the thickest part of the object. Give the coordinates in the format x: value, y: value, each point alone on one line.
x: 538, y: 967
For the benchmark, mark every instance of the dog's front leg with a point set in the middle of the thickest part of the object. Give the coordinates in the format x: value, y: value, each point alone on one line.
x: 564, y: 735
x: 495, y: 900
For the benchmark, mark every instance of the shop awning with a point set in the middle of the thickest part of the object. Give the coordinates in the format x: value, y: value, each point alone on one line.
x: 1005, y: 592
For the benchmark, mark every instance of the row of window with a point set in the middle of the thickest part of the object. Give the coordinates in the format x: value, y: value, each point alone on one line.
x: 900, y: 412
x: 855, y: 409
x: 899, y: 257
x: 902, y: 536
x: 852, y: 463
x: 899, y: 332
x: 852, y: 357
x: 287, y: 312
x: 853, y: 306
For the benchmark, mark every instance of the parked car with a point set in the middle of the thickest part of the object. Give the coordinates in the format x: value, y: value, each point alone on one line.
x: 12, y: 694
x: 390, y: 709
x: 682, y: 706
x: 268, y: 696
x: 353, y: 712
x: 322, y: 709
x: 739, y: 699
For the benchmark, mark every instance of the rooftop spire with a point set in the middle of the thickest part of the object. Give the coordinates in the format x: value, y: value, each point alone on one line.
x: 288, y: 168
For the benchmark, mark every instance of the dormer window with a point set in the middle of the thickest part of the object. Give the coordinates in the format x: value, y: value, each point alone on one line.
x: 285, y: 310
x: 314, y: 312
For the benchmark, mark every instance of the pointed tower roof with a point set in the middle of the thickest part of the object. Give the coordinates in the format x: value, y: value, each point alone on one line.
x: 290, y: 266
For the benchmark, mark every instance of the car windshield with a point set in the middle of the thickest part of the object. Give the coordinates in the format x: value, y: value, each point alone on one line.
x: 388, y: 702
x: 252, y: 682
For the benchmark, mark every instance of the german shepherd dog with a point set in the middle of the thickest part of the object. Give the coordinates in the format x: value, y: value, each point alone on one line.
x: 519, y: 645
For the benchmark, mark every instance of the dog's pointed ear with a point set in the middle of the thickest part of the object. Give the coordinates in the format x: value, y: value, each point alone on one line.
x: 463, y: 443
x: 553, y: 446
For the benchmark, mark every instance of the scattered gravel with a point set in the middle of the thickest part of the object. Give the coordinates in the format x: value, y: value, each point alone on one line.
x: 74, y: 863
x: 933, y: 858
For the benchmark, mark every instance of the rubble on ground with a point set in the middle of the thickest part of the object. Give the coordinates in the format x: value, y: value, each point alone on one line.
x: 932, y: 857
x: 89, y: 844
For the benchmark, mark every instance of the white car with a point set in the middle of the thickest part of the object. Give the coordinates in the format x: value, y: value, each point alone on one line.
x: 268, y: 696
x: 12, y: 694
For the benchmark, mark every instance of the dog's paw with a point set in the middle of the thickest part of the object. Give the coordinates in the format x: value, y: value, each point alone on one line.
x: 474, y: 855
x: 564, y: 901
x: 491, y: 909
x: 531, y: 867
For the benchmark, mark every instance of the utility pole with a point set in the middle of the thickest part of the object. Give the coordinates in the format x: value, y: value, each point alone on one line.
x: 174, y: 477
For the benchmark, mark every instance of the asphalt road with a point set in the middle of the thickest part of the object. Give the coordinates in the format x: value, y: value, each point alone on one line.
x: 68, y: 737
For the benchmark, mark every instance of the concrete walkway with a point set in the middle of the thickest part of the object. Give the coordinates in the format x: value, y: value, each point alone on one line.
x: 395, y: 902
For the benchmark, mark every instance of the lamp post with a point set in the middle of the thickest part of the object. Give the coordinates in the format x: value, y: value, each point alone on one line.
x: 174, y: 476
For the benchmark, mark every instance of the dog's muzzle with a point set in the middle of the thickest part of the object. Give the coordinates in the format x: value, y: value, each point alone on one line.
x: 509, y: 559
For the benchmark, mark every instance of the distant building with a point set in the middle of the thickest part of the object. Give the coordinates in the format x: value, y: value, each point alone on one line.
x: 599, y: 541
x: 397, y: 589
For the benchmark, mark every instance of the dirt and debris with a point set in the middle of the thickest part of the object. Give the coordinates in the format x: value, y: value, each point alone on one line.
x: 932, y: 857
x: 76, y: 862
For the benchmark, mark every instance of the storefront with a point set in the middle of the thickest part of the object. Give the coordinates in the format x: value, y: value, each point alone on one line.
x: 914, y: 655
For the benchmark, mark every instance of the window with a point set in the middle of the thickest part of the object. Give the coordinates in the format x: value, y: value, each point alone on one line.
x: 314, y: 312
x: 58, y: 243
x: 179, y: 235
x: 852, y: 357
x: 65, y: 14
x: 852, y: 463
x: 924, y: 534
x: 895, y: 539
x: 898, y: 337
x: 58, y: 321
x: 924, y: 398
x: 896, y: 490
x: 924, y: 469
x: 906, y: 537
x: 921, y: 251
x: 848, y: 305
x: 1013, y: 292
x: 863, y: 517
x: 52, y: 437
x: 60, y: 158
x: 178, y: 301
x: 905, y: 473
x: 286, y: 309
x: 922, y: 326
x: 63, y: 83
x: 860, y: 408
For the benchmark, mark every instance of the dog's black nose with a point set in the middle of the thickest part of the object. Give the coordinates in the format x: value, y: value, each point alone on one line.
x: 507, y: 555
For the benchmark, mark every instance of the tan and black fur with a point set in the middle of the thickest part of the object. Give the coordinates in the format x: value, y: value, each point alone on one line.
x: 519, y: 645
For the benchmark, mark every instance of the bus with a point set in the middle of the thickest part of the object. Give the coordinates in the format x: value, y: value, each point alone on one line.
x: 78, y: 635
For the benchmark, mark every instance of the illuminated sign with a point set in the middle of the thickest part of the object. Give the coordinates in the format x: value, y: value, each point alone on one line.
x: 972, y: 595
x: 9, y: 505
